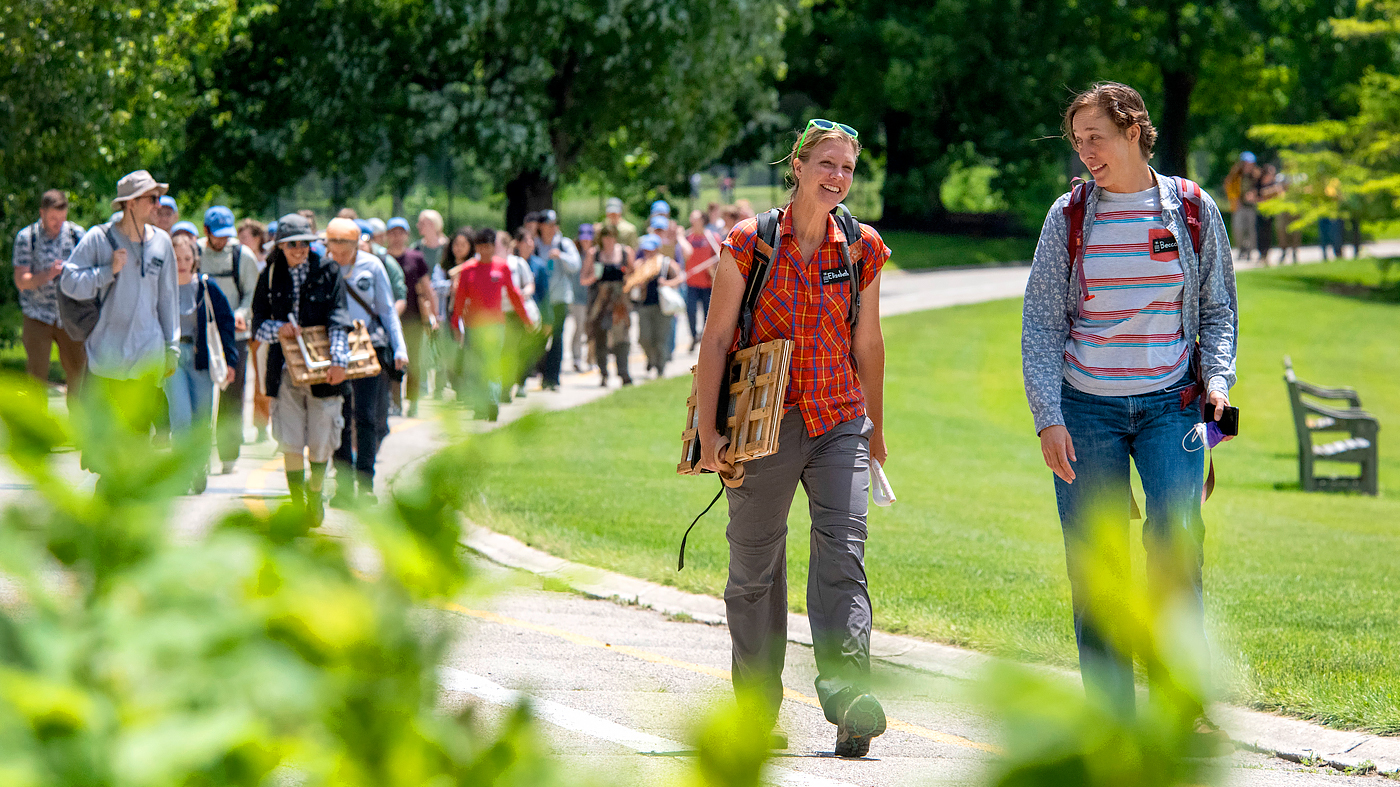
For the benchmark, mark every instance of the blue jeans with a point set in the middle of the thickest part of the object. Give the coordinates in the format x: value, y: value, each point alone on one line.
x: 1107, y: 430
x: 190, y: 393
x: 697, y: 309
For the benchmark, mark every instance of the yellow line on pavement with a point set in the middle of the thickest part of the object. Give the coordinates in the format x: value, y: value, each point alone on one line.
x: 657, y: 658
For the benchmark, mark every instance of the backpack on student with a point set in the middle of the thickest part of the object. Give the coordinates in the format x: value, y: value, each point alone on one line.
x: 79, y: 317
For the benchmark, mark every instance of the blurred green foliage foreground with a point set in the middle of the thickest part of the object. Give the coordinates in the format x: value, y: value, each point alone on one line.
x: 252, y: 654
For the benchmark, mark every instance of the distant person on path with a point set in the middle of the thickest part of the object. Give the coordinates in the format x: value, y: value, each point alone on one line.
x: 626, y: 230
x: 477, y: 322
x: 300, y: 288
x: 233, y: 269
x: 1266, y: 187
x: 699, y: 273
x: 1241, y: 186
x: 135, y: 344
x: 578, y: 310
x: 524, y: 280
x: 254, y: 235
x: 609, y: 316
x: 40, y: 250
x: 1111, y: 372
x: 1287, y: 240
x: 419, y: 316
x: 369, y: 299
x: 563, y: 265
x: 832, y: 429
x: 168, y: 214
x: 653, y: 271
x: 190, y: 390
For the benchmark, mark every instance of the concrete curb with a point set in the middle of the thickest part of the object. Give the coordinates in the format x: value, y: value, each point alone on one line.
x: 1290, y: 739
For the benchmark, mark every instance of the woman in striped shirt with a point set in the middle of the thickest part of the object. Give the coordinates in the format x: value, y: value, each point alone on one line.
x: 1124, y: 352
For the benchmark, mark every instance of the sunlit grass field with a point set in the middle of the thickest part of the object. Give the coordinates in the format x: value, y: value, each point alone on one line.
x: 1303, y: 592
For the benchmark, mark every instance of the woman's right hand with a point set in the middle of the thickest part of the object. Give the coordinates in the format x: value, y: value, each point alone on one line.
x: 1058, y: 449
x: 710, y: 458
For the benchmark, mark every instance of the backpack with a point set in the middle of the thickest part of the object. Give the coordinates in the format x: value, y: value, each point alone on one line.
x: 79, y: 317
x: 761, y: 270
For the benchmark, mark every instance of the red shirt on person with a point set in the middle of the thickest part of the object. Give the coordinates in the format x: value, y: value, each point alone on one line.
x: 795, y: 305
x: 482, y: 284
x: 704, y: 251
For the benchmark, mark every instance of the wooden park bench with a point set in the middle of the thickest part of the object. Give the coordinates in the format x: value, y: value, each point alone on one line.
x: 1311, y: 417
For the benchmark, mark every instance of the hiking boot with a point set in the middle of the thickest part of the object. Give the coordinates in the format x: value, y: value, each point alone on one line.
x: 862, y: 720
x: 778, y: 739
x: 200, y: 483
x: 228, y: 467
x: 344, y: 497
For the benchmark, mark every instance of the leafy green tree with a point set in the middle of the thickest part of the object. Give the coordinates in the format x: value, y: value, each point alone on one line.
x: 90, y: 91
x: 921, y: 80
x: 1348, y: 167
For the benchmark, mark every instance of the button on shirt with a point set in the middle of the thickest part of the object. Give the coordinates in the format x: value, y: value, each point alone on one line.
x: 35, y: 253
x: 797, y: 305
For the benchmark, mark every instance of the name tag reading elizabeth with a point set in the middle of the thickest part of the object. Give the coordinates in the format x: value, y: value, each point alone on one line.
x: 836, y: 276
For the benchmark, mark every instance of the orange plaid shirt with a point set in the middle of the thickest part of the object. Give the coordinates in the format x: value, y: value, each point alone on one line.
x: 796, y: 305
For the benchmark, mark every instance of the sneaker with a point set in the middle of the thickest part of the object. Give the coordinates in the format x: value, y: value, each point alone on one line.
x: 228, y: 467
x: 199, y: 484
x: 1208, y: 740
x: 627, y: 381
x: 862, y: 720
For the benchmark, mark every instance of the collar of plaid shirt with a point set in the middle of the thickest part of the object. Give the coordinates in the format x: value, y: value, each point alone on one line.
x: 803, y: 305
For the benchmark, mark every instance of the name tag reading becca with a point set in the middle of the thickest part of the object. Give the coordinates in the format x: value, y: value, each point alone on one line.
x: 835, y: 276
x: 1164, y: 247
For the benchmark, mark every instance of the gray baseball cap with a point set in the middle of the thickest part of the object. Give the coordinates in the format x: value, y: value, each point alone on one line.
x: 136, y: 184
x: 294, y: 226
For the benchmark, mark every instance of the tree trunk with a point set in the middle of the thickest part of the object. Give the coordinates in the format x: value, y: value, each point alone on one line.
x: 1174, y: 143
x: 910, y: 197
x: 526, y: 192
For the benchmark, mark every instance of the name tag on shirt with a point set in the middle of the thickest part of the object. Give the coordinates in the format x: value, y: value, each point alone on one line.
x: 1163, y: 244
x: 836, y: 276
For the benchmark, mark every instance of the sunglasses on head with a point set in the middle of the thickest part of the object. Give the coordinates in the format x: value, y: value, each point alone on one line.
x: 296, y: 244
x: 825, y: 125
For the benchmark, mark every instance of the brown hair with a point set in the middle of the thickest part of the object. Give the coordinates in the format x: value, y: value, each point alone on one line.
x: 256, y: 227
x: 803, y: 146
x: 53, y: 199
x: 309, y: 215
x: 347, y: 213
x: 1123, y: 106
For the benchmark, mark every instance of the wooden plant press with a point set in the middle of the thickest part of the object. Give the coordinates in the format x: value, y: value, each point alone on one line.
x: 752, y: 410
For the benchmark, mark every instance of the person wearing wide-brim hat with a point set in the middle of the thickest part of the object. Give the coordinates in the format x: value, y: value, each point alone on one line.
x: 300, y: 288
x: 129, y: 267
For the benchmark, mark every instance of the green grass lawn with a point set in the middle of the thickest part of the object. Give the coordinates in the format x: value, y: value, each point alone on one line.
x: 1302, y: 593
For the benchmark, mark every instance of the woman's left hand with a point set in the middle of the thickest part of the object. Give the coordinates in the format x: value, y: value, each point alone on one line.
x: 878, y: 452
x: 1217, y: 402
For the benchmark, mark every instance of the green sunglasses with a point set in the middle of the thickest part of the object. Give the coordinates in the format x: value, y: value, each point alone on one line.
x: 824, y: 125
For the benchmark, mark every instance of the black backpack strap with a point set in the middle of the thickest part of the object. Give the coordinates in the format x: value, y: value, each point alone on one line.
x: 764, y: 249
x: 850, y: 228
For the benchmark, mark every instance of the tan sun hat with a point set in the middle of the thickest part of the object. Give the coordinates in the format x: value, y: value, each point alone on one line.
x: 136, y: 184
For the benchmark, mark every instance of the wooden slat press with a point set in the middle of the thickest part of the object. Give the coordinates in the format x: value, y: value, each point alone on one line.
x: 309, y: 359
x: 758, y: 380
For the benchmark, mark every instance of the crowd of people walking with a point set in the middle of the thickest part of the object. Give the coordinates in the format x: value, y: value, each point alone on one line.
x: 191, y: 319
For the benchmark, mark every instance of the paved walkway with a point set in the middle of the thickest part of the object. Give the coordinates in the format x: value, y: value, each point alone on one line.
x: 622, y: 685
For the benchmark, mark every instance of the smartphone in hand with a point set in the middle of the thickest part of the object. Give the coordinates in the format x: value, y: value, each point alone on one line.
x: 1229, y: 422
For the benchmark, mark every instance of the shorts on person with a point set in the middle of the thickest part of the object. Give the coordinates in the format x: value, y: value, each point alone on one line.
x: 301, y: 420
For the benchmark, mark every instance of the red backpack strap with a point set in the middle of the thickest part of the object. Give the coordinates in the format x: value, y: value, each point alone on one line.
x: 1074, y: 226
x: 1190, y: 195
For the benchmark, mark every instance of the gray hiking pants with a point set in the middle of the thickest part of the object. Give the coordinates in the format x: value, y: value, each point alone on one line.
x: 834, y: 469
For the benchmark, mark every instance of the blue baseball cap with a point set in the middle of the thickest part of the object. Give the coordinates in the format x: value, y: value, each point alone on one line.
x: 549, y: 217
x: 1246, y: 157
x: 184, y: 226
x: 585, y: 232
x: 169, y: 202
x: 398, y: 222
x: 219, y: 221
x: 660, y: 222
x: 660, y: 206
x: 649, y: 243
x: 271, y: 229
x: 365, y: 227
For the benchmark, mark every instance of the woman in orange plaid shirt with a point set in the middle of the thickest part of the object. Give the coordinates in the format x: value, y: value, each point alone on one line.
x: 832, y: 427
